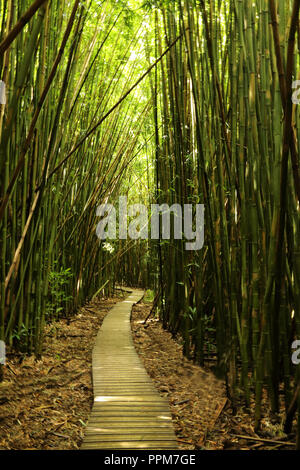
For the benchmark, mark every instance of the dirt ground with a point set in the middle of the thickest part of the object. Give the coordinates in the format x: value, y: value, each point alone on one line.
x: 45, y: 405
x: 201, y: 413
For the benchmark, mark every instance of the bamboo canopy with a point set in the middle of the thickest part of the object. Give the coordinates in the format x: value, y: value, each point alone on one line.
x: 180, y: 101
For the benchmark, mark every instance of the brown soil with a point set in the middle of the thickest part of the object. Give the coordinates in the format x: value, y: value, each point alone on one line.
x: 201, y: 413
x: 45, y: 404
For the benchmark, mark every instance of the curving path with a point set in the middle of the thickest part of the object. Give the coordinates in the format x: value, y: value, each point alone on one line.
x: 128, y: 412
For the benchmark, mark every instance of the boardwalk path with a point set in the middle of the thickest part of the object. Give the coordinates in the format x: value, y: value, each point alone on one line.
x: 128, y: 412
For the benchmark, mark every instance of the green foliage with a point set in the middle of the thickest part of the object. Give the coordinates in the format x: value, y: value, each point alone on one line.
x: 205, y: 126
x: 149, y: 296
x: 58, y: 281
x: 100, y: 59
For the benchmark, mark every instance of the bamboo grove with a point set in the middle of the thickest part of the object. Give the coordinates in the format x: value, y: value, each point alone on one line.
x: 229, y: 139
x: 191, y: 103
x: 57, y: 162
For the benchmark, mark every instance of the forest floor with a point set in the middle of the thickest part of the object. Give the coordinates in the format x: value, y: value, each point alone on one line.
x: 45, y: 404
x: 202, y: 415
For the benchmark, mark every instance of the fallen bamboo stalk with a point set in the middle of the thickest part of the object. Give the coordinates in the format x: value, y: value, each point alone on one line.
x: 268, y: 441
x: 101, y: 288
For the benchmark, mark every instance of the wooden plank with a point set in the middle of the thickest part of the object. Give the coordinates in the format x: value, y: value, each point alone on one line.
x: 133, y: 445
x: 137, y: 413
x: 134, y: 420
x: 130, y: 405
x: 132, y: 398
x: 159, y: 411
x: 136, y: 436
x: 127, y: 429
x: 119, y: 425
x: 127, y: 437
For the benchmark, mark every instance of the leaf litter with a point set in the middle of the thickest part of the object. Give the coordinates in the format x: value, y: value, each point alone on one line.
x: 45, y: 404
x: 201, y: 412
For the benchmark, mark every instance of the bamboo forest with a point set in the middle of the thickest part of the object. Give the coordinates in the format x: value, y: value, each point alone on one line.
x: 150, y: 225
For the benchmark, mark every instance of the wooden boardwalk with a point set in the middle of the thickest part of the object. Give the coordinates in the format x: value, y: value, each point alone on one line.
x: 128, y: 412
